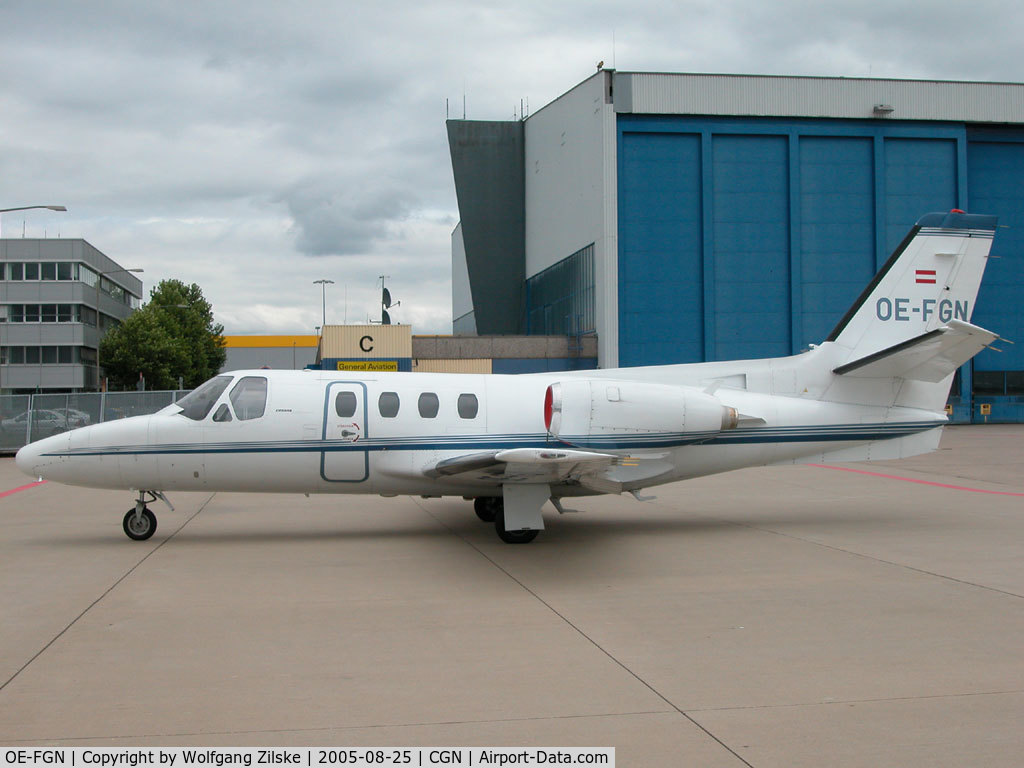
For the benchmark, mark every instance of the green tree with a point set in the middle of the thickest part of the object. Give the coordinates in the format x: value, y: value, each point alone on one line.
x: 173, y: 335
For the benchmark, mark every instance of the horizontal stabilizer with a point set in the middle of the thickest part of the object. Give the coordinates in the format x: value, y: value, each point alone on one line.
x: 932, y: 356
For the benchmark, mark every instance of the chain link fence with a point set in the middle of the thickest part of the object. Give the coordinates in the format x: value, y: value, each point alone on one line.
x: 31, y: 417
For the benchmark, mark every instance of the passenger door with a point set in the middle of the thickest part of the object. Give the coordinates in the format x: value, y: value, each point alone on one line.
x: 342, y: 459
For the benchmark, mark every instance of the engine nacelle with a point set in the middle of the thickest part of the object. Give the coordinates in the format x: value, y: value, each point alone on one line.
x: 579, y: 408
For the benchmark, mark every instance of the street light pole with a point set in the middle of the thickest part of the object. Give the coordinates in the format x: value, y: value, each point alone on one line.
x: 323, y: 283
x: 99, y: 334
x: 33, y: 207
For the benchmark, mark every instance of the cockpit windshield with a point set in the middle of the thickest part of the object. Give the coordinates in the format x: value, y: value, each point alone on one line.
x: 197, y: 404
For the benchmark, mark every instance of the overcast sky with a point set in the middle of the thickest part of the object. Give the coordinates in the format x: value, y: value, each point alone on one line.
x: 253, y: 147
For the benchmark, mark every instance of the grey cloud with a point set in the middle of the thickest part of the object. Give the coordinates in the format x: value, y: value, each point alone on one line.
x: 335, y: 219
x: 288, y: 131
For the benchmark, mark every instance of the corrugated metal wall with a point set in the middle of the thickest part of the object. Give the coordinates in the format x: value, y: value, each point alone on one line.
x: 833, y: 97
x: 372, y: 342
x: 479, y: 365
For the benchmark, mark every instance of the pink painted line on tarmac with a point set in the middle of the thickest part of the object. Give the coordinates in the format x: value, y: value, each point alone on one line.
x: 22, y: 488
x: 919, y: 482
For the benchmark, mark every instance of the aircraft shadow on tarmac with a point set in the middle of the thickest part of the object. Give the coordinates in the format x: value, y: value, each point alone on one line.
x: 579, y: 531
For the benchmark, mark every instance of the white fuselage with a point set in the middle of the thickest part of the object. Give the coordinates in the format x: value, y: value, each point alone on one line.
x: 333, y: 432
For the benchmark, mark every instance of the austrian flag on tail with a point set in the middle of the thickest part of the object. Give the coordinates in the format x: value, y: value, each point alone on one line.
x: 926, y: 276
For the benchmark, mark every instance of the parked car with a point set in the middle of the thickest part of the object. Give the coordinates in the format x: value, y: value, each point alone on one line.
x: 75, y: 417
x: 44, y: 423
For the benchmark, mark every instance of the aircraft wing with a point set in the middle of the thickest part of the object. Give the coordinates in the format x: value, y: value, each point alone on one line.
x: 932, y: 356
x: 523, y: 465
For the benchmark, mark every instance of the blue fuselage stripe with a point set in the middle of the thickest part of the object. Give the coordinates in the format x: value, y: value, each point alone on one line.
x: 800, y: 434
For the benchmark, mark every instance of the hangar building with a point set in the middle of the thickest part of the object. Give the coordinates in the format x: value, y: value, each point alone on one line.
x: 691, y: 217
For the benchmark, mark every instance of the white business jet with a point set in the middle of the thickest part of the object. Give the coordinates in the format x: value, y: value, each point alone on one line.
x: 875, y: 389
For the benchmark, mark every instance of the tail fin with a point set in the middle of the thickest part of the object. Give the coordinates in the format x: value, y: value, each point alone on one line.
x: 931, y: 279
x: 911, y: 326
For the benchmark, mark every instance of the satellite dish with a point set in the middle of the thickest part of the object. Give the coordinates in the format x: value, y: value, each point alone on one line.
x: 386, y: 298
x: 385, y: 318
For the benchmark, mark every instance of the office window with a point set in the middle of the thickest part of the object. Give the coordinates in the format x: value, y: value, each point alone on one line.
x: 16, y: 355
x: 48, y: 313
x: 31, y: 313
x: 48, y: 270
x: 65, y: 313
x: 16, y: 313
x: 468, y: 406
x: 87, y: 276
x: 15, y: 271
x: 32, y: 355
x: 65, y: 270
x: 48, y: 355
x: 65, y: 355
x: 32, y: 270
x: 388, y: 404
x: 428, y: 405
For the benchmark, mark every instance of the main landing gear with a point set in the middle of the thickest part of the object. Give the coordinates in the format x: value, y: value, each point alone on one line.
x: 139, y: 522
x: 491, y: 509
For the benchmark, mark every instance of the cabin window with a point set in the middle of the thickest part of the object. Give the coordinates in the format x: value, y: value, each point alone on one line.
x: 388, y: 404
x: 197, y: 404
x: 468, y: 406
x: 249, y: 397
x: 345, y: 404
x: 429, y: 405
x: 223, y: 413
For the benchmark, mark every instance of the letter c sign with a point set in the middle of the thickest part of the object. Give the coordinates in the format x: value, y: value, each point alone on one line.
x: 366, y: 343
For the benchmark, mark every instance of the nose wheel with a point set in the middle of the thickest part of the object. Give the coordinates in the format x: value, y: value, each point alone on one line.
x: 139, y: 525
x: 139, y: 522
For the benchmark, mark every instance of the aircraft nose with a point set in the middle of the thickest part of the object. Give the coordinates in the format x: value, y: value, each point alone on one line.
x: 32, y: 458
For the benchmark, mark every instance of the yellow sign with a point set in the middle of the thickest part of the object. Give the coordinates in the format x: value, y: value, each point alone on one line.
x: 367, y: 365
x: 986, y: 409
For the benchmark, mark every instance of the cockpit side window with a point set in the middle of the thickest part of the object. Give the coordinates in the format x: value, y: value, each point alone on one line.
x: 249, y: 397
x: 223, y: 413
x: 197, y: 404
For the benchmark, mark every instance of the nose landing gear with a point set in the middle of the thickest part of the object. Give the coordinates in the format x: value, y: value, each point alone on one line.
x: 139, y: 522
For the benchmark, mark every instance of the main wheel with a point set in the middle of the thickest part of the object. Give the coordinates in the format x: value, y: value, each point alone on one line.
x: 512, y: 537
x: 139, y: 528
x: 486, y: 507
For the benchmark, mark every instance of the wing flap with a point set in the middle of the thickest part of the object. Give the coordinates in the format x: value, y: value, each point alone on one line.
x: 523, y: 465
x: 932, y: 356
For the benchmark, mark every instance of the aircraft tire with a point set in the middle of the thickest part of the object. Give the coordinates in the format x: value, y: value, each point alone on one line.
x: 139, y: 530
x: 486, y: 507
x: 512, y: 537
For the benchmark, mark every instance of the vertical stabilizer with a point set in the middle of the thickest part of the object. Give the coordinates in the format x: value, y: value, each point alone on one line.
x: 931, y: 279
